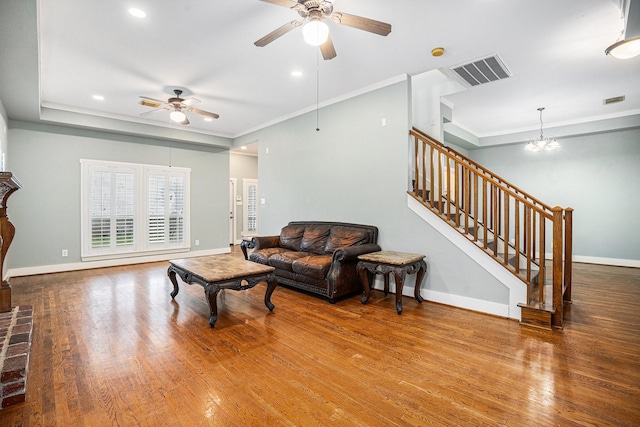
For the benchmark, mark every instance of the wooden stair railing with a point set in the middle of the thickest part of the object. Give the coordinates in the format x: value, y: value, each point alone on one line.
x: 514, y: 228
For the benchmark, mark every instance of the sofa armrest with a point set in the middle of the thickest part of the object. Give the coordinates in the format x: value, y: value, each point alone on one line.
x: 262, y: 242
x: 351, y: 253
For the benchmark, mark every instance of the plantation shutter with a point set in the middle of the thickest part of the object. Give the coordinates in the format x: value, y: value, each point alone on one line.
x: 156, y: 226
x: 132, y: 209
x: 100, y: 209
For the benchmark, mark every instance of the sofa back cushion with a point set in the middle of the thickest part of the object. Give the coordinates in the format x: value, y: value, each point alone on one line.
x: 291, y: 236
x: 314, y: 238
x: 342, y: 236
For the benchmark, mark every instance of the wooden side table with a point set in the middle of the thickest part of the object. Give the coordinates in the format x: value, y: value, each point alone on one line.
x: 386, y: 263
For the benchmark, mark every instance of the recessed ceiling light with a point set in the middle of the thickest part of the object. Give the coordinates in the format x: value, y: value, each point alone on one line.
x: 98, y: 97
x: 208, y: 119
x: 244, y: 147
x: 296, y: 73
x: 138, y: 13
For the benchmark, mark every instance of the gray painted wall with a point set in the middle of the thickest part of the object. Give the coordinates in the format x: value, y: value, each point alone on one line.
x: 3, y: 134
x: 355, y: 170
x: 242, y: 167
x: 598, y: 175
x: 46, y: 211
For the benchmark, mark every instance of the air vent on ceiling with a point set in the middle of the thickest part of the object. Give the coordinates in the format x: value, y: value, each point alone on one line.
x: 613, y: 100
x: 484, y: 70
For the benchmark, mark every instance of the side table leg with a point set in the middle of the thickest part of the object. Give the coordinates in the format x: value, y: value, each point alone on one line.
x: 419, y: 279
x: 271, y: 286
x: 364, y: 278
x: 399, y: 286
x: 211, y: 293
x: 172, y: 276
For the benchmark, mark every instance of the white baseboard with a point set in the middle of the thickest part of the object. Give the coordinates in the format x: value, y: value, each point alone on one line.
x: 467, y: 303
x: 58, y: 268
x: 607, y: 261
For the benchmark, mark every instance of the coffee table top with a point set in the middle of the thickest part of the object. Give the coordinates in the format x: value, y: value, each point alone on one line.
x: 391, y: 257
x: 217, y: 268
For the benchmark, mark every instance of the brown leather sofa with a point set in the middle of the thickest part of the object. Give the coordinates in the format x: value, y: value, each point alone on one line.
x: 316, y: 256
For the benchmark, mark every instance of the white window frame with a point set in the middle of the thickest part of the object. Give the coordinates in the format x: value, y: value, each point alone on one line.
x: 140, y: 245
x: 250, y: 207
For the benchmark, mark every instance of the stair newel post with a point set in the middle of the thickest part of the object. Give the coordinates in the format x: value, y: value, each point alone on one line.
x: 568, y: 252
x: 557, y: 266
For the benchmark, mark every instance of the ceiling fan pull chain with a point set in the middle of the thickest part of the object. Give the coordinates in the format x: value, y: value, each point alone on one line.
x: 317, y: 92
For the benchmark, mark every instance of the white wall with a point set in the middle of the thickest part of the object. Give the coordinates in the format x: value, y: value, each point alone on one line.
x: 46, y: 211
x: 597, y: 174
x: 355, y: 170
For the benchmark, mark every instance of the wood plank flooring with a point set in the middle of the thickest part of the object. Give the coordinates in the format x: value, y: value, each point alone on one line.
x: 111, y: 348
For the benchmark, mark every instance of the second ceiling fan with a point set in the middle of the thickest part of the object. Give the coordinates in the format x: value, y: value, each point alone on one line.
x: 314, y: 30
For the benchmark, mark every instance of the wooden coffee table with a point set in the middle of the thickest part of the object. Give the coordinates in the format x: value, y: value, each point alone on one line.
x: 217, y: 272
x: 386, y: 263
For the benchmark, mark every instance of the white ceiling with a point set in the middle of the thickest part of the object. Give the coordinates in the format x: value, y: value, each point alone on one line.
x: 554, y: 50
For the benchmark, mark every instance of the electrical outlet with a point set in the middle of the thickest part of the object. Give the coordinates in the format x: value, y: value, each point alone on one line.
x: 197, y: 242
x: 65, y: 252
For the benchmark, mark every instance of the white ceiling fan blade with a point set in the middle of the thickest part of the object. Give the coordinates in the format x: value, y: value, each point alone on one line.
x: 279, y: 32
x: 190, y: 101
x: 204, y: 113
x: 365, y: 24
x: 289, y: 4
x: 147, y: 113
x: 327, y: 49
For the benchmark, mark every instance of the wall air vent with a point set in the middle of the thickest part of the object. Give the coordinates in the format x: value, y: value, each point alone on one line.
x: 613, y: 100
x: 484, y: 70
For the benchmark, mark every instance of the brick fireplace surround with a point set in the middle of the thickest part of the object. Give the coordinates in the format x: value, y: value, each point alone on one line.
x: 16, y: 327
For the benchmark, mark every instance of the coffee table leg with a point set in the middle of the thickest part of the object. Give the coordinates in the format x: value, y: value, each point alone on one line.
x: 399, y: 286
x: 271, y: 286
x: 419, y: 278
x: 211, y: 293
x: 172, y: 277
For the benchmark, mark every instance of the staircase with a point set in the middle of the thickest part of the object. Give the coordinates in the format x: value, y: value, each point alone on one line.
x: 528, y: 238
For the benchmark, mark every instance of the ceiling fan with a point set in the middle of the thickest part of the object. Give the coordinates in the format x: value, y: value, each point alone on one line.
x: 177, y: 106
x: 314, y: 30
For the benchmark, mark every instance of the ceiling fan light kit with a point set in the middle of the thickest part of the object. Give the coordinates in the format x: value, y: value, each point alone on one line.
x: 177, y: 116
x: 629, y: 46
x: 316, y: 32
x: 177, y: 107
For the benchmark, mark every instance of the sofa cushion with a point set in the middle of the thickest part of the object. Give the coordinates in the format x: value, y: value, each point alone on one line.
x: 314, y: 238
x: 262, y: 255
x: 341, y: 237
x: 291, y: 236
x: 316, y: 266
x: 283, y: 260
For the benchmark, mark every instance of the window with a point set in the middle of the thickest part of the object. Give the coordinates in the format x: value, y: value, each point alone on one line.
x: 130, y: 209
x: 250, y: 220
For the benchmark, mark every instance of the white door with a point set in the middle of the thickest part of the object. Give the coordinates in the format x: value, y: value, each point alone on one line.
x: 250, y: 207
x: 232, y: 210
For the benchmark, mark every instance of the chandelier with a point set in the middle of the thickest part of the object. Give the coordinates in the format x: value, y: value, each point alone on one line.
x: 542, y: 143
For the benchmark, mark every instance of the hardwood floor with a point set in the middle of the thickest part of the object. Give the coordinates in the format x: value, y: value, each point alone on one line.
x: 111, y: 348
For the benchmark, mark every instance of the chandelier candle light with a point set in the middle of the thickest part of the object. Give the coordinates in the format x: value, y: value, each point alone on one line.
x: 542, y: 143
